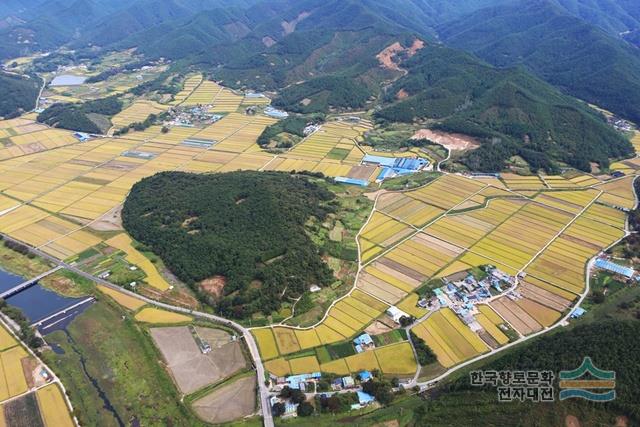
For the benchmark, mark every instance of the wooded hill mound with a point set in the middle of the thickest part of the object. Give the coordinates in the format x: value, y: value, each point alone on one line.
x: 248, y: 227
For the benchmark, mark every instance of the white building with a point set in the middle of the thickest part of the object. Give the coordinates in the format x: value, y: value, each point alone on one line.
x: 396, y: 314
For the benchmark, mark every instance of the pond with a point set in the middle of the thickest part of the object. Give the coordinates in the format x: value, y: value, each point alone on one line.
x: 67, y: 80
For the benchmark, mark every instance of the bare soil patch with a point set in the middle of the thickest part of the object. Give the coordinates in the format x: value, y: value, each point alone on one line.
x: 452, y: 141
x: 361, y: 172
x: 189, y: 367
x: 228, y: 403
x: 268, y: 41
x: 377, y: 328
x: 388, y: 56
x: 111, y: 221
x: 290, y: 27
x: 214, y: 285
x: 571, y: 421
x: 402, y: 94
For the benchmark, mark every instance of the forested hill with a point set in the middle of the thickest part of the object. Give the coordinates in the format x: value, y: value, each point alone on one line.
x: 18, y: 94
x: 248, y: 227
x: 513, y: 112
x: 573, y: 55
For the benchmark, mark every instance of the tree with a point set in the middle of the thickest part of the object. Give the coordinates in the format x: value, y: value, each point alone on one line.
x: 278, y: 409
x: 597, y: 297
x: 425, y: 355
x: 305, y: 409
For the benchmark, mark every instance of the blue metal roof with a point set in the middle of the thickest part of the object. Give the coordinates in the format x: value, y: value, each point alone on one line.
x: 383, y: 161
x: 365, y: 398
x: 354, y: 181
x: 616, y: 268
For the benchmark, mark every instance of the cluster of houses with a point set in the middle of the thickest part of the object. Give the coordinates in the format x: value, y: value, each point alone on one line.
x: 620, y: 124
x: 306, y: 383
x: 462, y: 290
x: 192, y: 116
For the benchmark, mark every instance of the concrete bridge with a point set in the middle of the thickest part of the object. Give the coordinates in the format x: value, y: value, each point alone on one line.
x: 63, y: 311
x: 21, y: 287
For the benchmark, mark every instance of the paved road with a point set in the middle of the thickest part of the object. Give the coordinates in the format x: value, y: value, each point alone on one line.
x: 251, y: 343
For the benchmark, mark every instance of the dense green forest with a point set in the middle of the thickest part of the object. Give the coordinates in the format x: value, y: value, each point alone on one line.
x: 76, y: 116
x: 322, y: 93
x: 18, y: 94
x: 511, y: 111
x: 560, y: 48
x: 246, y: 226
x: 293, y: 125
x: 612, y: 345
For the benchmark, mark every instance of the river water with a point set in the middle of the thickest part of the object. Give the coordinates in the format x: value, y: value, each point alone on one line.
x: 35, y: 302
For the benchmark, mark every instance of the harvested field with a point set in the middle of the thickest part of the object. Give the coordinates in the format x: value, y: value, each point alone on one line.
x: 229, y: 402
x: 24, y: 412
x: 518, y: 318
x: 189, y: 367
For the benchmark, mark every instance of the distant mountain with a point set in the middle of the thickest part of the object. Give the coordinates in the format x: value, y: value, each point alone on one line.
x: 566, y: 51
x: 613, y: 16
x: 512, y: 112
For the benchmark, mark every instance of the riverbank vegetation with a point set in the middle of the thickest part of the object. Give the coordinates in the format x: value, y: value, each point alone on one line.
x: 111, y: 371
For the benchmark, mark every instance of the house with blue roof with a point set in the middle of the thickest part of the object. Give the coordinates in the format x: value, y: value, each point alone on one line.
x: 578, y: 312
x: 365, y: 376
x: 364, y: 340
x: 604, y: 264
x: 364, y: 398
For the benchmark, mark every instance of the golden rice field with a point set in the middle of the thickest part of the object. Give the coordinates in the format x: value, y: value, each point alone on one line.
x: 348, y: 316
x: 266, y: 343
x: 279, y: 367
x: 190, y: 84
x: 53, y: 407
x: 12, y: 377
x: 137, y: 113
x: 333, y: 137
x: 451, y: 340
x: 397, y: 359
x: 157, y: 316
x: 618, y: 193
x: 489, y: 320
x: 126, y: 301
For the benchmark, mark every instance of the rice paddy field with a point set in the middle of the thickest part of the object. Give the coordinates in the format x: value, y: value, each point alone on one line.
x: 55, y: 189
x: 13, y: 381
x: 53, y: 407
x: 392, y: 360
x: 137, y: 112
x: 156, y: 316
